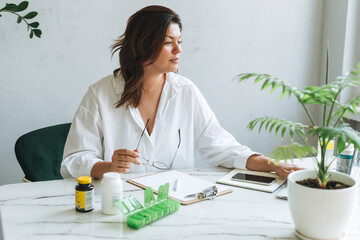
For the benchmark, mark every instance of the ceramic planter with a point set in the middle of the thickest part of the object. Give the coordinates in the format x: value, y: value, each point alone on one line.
x: 320, y: 213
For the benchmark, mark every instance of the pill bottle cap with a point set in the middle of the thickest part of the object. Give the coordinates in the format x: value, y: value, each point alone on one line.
x: 84, y: 180
x: 111, y: 176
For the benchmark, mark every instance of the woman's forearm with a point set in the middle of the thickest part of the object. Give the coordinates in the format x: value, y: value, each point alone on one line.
x: 99, y: 169
x: 260, y: 163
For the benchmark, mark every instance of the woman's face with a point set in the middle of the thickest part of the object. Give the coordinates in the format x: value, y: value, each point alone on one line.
x: 169, y: 56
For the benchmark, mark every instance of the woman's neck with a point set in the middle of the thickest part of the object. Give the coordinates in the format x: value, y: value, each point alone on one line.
x: 152, y: 82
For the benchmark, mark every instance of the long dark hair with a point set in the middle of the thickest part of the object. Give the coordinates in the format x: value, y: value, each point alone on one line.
x: 142, y: 41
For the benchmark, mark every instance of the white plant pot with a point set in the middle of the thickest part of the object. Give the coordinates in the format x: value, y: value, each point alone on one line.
x: 320, y: 213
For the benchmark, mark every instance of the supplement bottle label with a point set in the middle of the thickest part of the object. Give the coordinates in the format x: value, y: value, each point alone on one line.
x: 84, y: 200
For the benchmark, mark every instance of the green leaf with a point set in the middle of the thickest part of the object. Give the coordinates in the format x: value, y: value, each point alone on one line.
x: 31, y: 34
x: 289, y: 154
x: 262, y: 123
x: 34, y: 24
x: 283, y: 131
x: 283, y: 94
x: 10, y: 7
x: 266, y: 84
x: 274, y: 86
x: 30, y: 15
x: 277, y: 129
x: 22, y: 6
x: 272, y: 125
x: 286, y: 152
x: 244, y: 76
x: 300, y: 132
x: 291, y: 132
x: 19, y: 19
x: 267, y: 124
x: 259, y: 78
x: 37, y: 32
x: 344, y: 133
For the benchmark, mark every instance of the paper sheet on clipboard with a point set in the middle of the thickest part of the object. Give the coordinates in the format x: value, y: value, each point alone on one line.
x: 187, y: 185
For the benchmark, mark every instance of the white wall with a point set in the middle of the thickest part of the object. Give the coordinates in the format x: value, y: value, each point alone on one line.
x: 43, y: 80
x: 352, y: 47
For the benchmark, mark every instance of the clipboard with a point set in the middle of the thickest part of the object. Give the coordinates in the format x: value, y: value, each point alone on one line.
x: 185, y: 193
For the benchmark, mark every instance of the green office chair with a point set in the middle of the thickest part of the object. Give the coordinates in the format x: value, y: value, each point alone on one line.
x: 40, y: 152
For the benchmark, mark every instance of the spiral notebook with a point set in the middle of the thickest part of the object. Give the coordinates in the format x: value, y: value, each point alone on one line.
x: 182, y: 185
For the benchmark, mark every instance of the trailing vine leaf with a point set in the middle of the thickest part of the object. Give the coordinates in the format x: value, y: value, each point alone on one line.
x: 22, y: 6
x: 30, y: 15
x: 9, y: 7
x: 34, y: 24
x: 14, y: 9
x: 37, y: 32
x: 284, y: 125
x: 285, y: 152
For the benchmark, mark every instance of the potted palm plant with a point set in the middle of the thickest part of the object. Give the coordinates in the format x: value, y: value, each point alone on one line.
x: 317, y: 210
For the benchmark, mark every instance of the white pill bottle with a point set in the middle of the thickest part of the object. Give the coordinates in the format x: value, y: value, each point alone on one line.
x: 111, y: 191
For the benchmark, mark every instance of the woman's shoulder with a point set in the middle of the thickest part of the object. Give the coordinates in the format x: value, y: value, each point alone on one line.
x: 181, y: 84
x: 108, y: 84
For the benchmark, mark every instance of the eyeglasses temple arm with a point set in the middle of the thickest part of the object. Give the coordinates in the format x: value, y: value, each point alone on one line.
x: 176, y: 150
x: 142, y: 134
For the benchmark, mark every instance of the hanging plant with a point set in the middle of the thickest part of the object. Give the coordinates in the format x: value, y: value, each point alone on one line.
x: 15, y: 9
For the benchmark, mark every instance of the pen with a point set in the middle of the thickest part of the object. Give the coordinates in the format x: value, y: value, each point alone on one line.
x: 176, y: 185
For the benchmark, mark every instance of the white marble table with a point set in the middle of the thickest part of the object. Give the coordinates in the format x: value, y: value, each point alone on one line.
x: 45, y: 210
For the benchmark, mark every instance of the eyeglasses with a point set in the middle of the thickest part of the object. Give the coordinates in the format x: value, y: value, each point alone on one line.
x: 158, y: 165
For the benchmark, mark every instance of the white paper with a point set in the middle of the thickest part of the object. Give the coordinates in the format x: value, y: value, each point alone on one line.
x: 186, y: 184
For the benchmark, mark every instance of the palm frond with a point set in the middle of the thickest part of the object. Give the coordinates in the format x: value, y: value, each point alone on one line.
x: 285, y: 152
x: 322, y: 95
x: 344, y: 133
x: 345, y: 109
x: 272, y: 82
x: 270, y: 123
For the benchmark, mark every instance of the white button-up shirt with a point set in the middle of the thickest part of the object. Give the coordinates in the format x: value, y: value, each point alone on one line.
x: 98, y: 129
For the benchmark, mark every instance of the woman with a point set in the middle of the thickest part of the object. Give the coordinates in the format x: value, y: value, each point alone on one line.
x: 146, y: 106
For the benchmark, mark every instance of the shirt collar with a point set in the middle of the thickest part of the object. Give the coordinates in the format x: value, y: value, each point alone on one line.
x: 171, y: 78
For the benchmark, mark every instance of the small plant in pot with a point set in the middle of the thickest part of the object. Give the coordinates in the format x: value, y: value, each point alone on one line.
x: 318, y: 210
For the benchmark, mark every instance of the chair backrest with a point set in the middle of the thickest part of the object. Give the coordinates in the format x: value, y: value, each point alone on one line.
x: 40, y: 152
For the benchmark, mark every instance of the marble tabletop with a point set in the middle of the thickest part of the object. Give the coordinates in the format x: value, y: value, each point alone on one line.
x: 45, y: 210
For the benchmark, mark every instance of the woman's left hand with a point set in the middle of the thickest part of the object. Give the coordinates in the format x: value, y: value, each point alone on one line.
x: 284, y: 169
x: 265, y: 164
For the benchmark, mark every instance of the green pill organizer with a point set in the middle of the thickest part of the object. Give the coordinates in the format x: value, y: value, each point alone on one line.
x: 138, y: 216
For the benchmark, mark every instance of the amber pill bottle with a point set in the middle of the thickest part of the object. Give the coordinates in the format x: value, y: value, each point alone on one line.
x: 84, y: 195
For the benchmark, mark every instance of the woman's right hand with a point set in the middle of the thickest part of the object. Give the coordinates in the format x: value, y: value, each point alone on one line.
x: 122, y: 159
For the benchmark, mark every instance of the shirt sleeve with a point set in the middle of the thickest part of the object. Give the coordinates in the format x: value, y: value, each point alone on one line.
x: 84, y: 144
x: 214, y: 143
